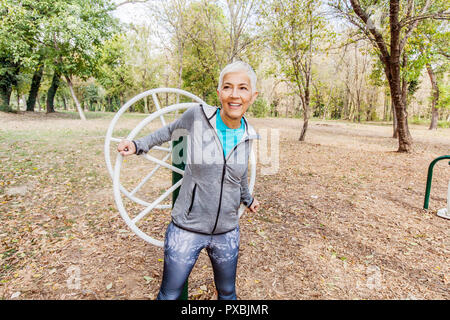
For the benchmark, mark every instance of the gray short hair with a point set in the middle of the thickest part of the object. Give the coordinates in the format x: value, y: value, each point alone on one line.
x: 235, y: 67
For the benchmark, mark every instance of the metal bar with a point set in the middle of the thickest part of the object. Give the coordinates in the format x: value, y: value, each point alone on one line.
x: 154, y: 203
x: 148, y: 176
x: 166, y: 165
x: 155, y: 147
x: 162, y: 148
x: 448, y: 197
x: 180, y: 163
x: 116, y: 139
x: 430, y: 177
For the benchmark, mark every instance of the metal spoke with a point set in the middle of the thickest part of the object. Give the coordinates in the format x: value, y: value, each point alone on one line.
x: 149, y: 175
x: 116, y: 139
x: 162, y: 148
x: 153, y: 205
x: 164, y: 164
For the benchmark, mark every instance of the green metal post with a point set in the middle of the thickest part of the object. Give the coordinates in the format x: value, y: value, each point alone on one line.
x: 430, y: 177
x: 179, y: 161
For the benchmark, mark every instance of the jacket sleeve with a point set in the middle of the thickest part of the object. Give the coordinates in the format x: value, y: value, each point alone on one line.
x: 166, y: 133
x: 246, y: 197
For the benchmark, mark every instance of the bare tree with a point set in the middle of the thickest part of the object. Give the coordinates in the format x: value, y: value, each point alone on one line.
x: 240, y: 14
x: 435, y: 99
x: 170, y: 16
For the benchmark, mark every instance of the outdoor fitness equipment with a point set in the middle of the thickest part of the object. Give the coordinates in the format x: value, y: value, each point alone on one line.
x: 444, y: 212
x: 178, y: 172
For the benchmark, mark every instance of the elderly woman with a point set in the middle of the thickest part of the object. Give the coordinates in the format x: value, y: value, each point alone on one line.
x: 205, y: 214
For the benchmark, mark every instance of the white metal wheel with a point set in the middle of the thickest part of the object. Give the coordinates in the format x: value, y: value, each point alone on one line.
x: 112, y: 125
x: 119, y: 189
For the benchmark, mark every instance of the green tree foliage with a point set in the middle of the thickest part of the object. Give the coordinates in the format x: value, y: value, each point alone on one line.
x: 113, y: 71
x: 18, y: 36
x: 64, y: 35
x: 295, y: 31
x: 148, y: 67
x: 260, y: 108
x: 444, y: 100
x: 53, y: 48
x: 207, y: 35
x: 429, y: 48
x: 76, y: 32
x: 205, y: 50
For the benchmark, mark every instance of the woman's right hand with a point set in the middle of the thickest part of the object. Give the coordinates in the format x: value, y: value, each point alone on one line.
x: 126, y: 147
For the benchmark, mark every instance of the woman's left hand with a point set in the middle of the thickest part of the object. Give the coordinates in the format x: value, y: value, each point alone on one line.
x: 254, y: 207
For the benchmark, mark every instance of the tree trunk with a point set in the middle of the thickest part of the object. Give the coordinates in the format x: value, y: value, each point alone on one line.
x: 434, y: 101
x: 391, y: 64
x: 35, y: 84
x: 180, y: 73
x: 351, y: 112
x: 146, y: 105
x: 5, y: 96
x: 18, y: 100
x: 347, y: 99
x: 305, y: 114
x: 52, y: 92
x: 395, y: 78
x: 64, y: 102
x: 74, y: 97
x: 404, y: 138
x: 8, y: 79
x: 358, y: 104
x: 386, y: 107
x: 24, y: 99
x: 38, y: 100
x: 394, y: 121
x: 405, y: 96
x: 308, y: 81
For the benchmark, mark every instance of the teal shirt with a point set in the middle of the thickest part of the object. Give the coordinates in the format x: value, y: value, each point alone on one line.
x: 228, y: 137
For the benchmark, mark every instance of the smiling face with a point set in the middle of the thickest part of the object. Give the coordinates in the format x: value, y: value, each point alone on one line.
x: 236, y: 96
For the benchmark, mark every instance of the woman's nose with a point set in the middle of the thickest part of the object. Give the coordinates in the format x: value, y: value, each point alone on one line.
x: 234, y: 93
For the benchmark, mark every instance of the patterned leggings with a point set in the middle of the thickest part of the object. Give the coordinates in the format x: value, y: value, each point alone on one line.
x: 181, y: 251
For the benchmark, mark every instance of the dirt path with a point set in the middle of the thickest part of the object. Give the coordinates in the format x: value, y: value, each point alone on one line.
x: 341, y: 216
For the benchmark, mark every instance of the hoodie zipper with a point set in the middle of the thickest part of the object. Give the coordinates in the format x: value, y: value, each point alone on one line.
x: 221, y: 184
x: 220, y: 197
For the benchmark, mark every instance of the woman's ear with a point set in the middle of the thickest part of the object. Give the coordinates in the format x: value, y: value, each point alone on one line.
x: 255, y: 95
x: 218, y: 95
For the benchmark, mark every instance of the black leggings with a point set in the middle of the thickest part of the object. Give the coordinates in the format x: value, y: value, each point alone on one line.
x: 181, y: 251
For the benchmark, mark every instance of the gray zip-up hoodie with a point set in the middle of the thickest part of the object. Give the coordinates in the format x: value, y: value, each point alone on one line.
x: 213, y: 186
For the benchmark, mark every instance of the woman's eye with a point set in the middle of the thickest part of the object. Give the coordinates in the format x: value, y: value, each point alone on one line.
x: 243, y: 88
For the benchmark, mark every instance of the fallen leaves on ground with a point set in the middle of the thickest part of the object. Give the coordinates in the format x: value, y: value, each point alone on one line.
x: 341, y: 217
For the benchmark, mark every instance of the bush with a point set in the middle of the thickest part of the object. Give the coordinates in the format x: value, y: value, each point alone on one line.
x: 443, y: 124
x: 260, y: 108
x: 417, y: 120
x: 373, y: 115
